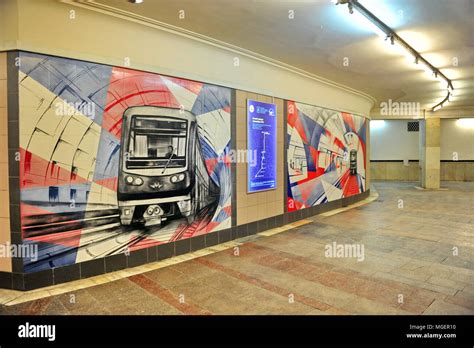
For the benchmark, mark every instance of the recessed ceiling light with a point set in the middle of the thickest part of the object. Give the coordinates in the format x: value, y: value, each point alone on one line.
x: 136, y: 1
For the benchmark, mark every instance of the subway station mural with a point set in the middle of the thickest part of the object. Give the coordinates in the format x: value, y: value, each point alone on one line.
x: 326, y: 155
x: 114, y: 159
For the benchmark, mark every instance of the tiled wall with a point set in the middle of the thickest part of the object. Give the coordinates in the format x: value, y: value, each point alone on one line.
x: 450, y: 171
x: 457, y: 171
x: 5, y: 262
x: 395, y: 170
x: 259, y: 205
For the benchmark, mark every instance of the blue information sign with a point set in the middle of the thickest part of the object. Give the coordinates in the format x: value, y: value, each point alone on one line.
x: 261, y: 144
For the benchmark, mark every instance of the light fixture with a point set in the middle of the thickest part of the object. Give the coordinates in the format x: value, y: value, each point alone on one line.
x: 466, y: 122
x: 391, y: 36
x: 376, y: 124
x: 440, y: 105
x: 136, y: 1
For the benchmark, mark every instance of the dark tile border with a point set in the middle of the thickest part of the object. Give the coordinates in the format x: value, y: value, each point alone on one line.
x: 165, y: 251
x: 6, y: 280
x: 66, y: 273
x: 115, y: 262
x: 13, y: 152
x: 92, y: 268
x: 212, y: 238
x: 224, y: 235
x: 138, y: 257
x: 18, y: 281
x: 152, y: 254
x: 198, y: 242
x: 38, y: 279
x: 285, y: 155
x: 233, y: 165
x: 182, y: 246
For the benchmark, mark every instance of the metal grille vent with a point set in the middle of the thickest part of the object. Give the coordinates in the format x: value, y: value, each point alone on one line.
x: 413, y: 126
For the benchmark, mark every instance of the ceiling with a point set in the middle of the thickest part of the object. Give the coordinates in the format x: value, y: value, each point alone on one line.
x: 322, y: 36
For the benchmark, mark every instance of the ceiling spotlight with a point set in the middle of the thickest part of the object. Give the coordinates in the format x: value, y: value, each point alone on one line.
x: 136, y: 1
x: 385, y: 31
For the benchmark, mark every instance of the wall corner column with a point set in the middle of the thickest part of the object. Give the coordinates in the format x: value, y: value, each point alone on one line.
x: 430, y: 153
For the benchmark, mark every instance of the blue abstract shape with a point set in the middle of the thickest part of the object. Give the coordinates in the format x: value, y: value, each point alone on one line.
x: 74, y: 81
x: 42, y: 197
x: 108, y: 157
x: 44, y: 259
x: 211, y: 98
x: 362, y: 131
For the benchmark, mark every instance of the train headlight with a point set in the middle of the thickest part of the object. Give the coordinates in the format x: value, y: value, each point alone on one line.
x: 131, y: 180
x: 177, y: 178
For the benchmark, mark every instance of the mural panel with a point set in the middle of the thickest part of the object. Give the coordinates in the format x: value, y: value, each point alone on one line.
x: 326, y: 155
x: 114, y: 159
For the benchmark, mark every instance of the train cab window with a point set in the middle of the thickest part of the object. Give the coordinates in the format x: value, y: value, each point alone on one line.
x: 157, y: 142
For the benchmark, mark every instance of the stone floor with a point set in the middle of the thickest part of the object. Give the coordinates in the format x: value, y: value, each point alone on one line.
x: 418, y: 259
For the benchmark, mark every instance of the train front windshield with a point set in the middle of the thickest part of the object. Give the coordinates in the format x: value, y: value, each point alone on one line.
x: 157, y: 142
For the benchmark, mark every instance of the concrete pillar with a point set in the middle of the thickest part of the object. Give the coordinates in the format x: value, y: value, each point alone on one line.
x: 430, y: 153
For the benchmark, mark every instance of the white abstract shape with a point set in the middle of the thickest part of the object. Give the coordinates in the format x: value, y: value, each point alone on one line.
x: 185, y: 97
x: 214, y: 127
x: 332, y: 192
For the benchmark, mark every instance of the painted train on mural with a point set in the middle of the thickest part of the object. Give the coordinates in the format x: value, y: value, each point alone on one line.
x: 115, y: 159
x: 326, y: 155
x: 162, y: 173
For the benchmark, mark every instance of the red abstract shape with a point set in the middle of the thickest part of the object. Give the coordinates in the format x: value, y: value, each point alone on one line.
x: 39, y: 172
x: 211, y: 164
x: 351, y: 187
x: 110, y: 183
x: 135, y: 88
x: 349, y: 119
x: 27, y: 210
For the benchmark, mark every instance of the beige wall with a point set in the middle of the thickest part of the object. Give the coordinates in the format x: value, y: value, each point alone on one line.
x: 450, y: 171
x: 260, y: 205
x: 45, y: 26
x: 5, y: 263
x: 395, y: 171
x: 8, y: 25
x: 457, y: 171
x: 456, y: 141
x: 394, y: 132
